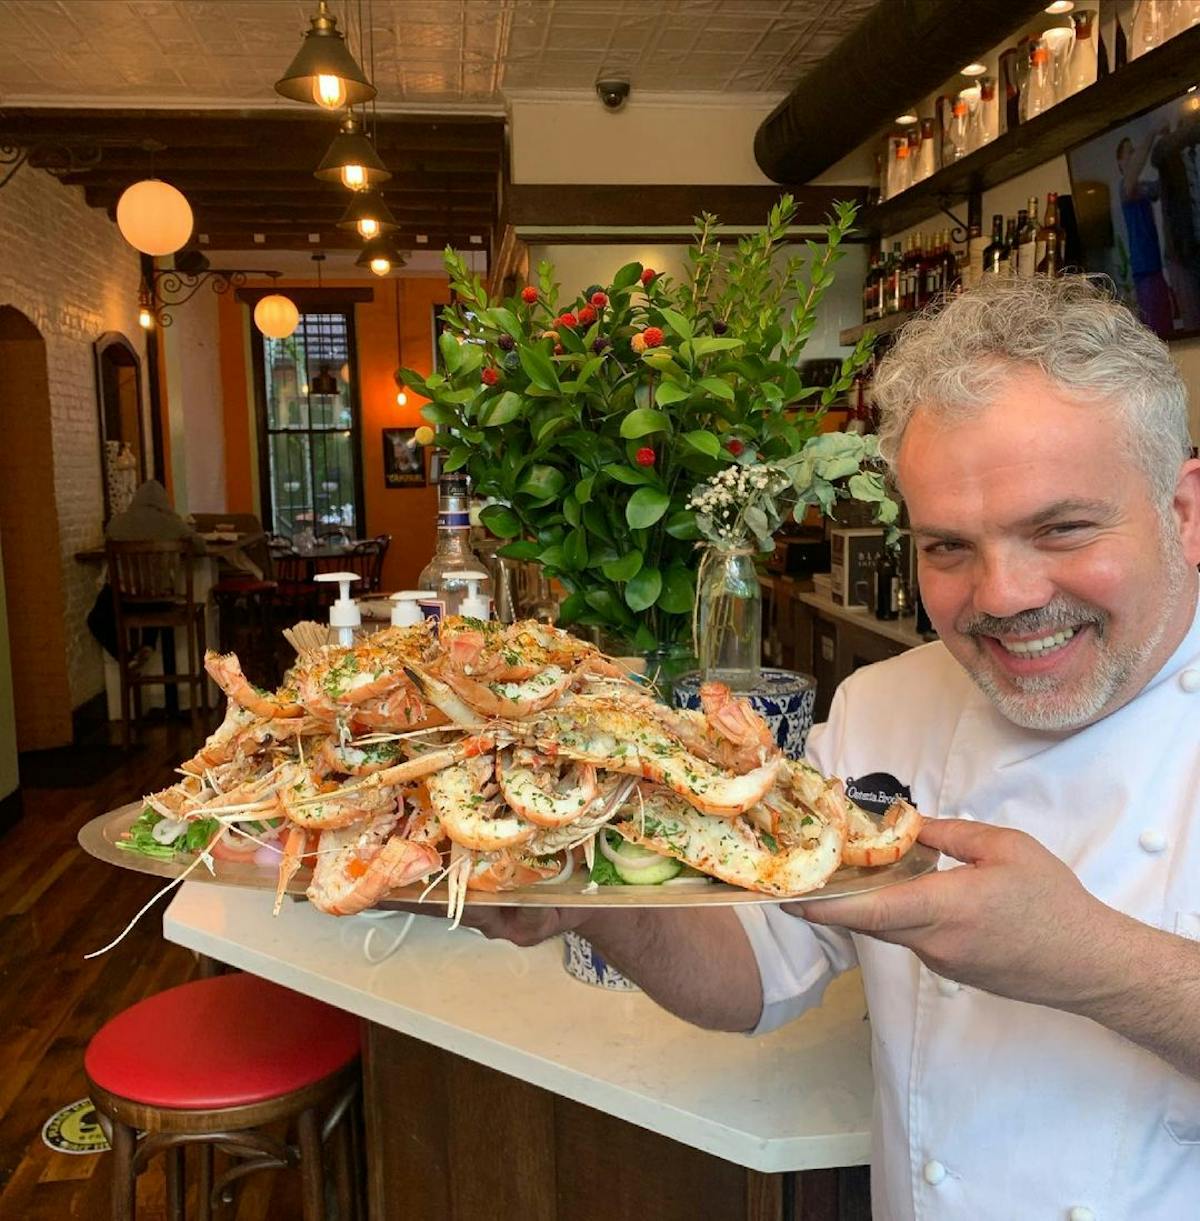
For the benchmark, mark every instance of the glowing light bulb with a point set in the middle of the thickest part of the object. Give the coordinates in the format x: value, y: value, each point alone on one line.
x: 329, y: 91
x: 354, y: 177
x: 381, y: 266
x: 401, y: 399
x: 145, y: 319
x: 368, y: 226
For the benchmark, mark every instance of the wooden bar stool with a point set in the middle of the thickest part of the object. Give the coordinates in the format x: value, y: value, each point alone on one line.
x: 214, y: 1062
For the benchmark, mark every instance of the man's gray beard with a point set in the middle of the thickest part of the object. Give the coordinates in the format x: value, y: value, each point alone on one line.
x: 1114, y: 667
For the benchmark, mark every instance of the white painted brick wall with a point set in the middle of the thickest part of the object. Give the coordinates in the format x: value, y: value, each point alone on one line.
x: 66, y: 267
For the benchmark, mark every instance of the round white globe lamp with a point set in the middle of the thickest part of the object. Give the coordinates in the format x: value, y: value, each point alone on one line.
x: 154, y: 217
x: 276, y: 316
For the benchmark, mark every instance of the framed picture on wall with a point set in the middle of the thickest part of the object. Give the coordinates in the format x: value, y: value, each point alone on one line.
x: 403, y: 459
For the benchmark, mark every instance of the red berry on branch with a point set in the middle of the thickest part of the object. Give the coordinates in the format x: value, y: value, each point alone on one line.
x: 559, y: 349
x: 506, y: 343
x: 599, y: 299
x: 568, y: 320
x: 529, y: 294
x: 649, y: 275
x: 645, y: 456
x: 653, y: 337
x: 490, y: 376
x: 734, y: 446
x: 587, y: 316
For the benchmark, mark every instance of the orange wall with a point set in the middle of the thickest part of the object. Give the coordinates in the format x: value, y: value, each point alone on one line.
x: 407, y: 514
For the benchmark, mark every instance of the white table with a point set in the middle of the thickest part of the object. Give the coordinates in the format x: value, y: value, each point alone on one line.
x: 796, y: 1099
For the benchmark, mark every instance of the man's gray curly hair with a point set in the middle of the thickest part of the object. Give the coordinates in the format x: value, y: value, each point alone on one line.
x: 954, y: 363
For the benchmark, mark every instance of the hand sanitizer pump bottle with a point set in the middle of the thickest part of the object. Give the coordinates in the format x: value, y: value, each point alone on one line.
x: 344, y: 616
x: 474, y: 605
x: 406, y: 611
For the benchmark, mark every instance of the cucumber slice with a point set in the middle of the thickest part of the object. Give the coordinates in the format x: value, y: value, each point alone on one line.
x: 650, y: 875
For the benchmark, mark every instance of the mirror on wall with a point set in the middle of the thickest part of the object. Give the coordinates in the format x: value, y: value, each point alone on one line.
x: 122, y: 432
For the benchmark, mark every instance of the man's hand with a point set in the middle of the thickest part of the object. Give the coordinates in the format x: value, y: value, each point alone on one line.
x: 523, y: 926
x: 1013, y: 920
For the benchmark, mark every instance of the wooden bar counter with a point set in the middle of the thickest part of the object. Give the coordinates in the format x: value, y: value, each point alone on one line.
x: 498, y: 1088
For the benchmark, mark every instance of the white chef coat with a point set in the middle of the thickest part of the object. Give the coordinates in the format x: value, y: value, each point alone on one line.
x: 987, y: 1108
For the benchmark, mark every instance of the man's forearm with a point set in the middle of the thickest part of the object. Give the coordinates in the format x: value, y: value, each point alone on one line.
x: 1150, y: 994
x: 695, y: 962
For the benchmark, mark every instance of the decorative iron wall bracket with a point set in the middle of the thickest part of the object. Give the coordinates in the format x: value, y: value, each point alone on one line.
x: 172, y: 287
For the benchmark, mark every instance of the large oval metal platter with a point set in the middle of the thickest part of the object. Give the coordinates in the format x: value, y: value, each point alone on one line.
x: 100, y: 837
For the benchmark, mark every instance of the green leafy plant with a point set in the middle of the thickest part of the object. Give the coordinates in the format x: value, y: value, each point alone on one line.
x: 588, y: 422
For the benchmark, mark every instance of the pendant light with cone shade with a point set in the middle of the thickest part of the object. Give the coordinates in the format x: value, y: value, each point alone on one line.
x: 352, y: 160
x: 324, y: 71
x: 368, y: 215
x: 381, y: 256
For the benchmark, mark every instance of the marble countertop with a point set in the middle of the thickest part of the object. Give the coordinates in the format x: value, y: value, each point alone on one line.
x: 795, y: 1099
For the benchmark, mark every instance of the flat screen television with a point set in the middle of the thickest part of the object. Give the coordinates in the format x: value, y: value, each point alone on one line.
x: 1136, y: 193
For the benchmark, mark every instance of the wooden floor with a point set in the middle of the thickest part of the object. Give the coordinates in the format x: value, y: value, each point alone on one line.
x: 56, y: 904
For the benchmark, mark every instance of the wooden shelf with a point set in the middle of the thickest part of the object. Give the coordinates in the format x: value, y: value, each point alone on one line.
x: 1146, y: 82
x: 884, y: 326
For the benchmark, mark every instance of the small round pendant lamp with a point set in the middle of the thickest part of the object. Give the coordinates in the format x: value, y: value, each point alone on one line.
x: 352, y: 160
x: 154, y: 217
x: 324, y: 71
x: 276, y: 316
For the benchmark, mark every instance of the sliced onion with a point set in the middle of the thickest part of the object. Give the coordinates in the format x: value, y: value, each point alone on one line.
x: 267, y: 854
x: 688, y: 881
x: 564, y: 874
x: 168, y: 830
x: 633, y: 864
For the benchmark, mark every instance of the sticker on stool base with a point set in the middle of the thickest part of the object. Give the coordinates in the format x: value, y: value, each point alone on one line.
x: 75, y: 1129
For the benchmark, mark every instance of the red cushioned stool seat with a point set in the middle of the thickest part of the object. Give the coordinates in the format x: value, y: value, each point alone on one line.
x: 222, y: 1042
x: 226, y: 1063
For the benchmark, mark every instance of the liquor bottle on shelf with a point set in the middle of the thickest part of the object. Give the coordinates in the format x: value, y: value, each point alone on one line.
x: 452, y: 553
x: 994, y: 256
x: 892, y: 287
x: 1008, y: 260
x: 951, y: 274
x: 871, y: 289
x: 1050, y: 239
x: 934, y: 285
x: 1027, y: 241
x: 975, y: 241
x: 859, y: 418
x: 887, y: 586
x: 910, y: 269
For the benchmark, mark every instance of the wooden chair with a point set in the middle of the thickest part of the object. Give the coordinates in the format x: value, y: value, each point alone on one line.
x: 366, y: 559
x: 224, y: 1063
x: 295, y: 596
x: 153, y: 587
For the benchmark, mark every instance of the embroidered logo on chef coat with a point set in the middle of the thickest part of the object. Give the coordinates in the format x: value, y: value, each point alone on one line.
x: 877, y: 791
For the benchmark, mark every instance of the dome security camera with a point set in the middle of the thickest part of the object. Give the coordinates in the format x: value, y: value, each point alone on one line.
x: 612, y: 93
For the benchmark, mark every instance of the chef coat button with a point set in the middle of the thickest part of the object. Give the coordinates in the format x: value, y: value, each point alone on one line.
x: 1081, y: 1213
x: 1189, y: 680
x: 934, y: 1173
x: 948, y: 987
x: 1152, y: 841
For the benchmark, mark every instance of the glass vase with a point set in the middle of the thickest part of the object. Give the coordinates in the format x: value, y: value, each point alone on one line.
x: 729, y: 610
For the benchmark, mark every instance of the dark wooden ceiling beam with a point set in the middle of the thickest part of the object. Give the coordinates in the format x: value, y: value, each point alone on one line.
x: 542, y: 207
x: 336, y: 239
x: 241, y: 130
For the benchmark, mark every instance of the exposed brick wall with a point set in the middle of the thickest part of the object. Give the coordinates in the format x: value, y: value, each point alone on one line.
x: 66, y: 267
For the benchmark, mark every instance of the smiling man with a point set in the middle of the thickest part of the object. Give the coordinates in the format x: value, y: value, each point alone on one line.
x: 1034, y: 1004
